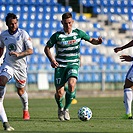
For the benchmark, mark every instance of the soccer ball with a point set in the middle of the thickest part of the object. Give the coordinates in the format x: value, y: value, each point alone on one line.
x: 84, y: 113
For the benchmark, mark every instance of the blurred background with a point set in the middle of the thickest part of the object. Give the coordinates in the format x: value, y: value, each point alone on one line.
x: 101, y: 68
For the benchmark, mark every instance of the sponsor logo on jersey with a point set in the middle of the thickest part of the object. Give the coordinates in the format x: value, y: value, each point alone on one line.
x: 72, y: 71
x: 12, y: 47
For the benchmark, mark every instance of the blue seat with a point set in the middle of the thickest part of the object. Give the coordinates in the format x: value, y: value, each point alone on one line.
x: 41, y: 59
x: 51, y: 78
x: 96, y: 34
x: 24, y: 16
x: 95, y: 58
x: 37, y: 33
x: 41, y: 67
x: 17, y: 8
x: 61, y: 9
x: 35, y: 51
x: 24, y: 9
x: 97, y: 10
x: 32, y: 9
x: 110, y: 60
x: 87, y: 68
x: 9, y: 8
x: 109, y: 77
x: 118, y: 77
x: 87, y: 51
x: 82, y: 18
x: 125, y: 67
x: 125, y: 26
x: 95, y: 51
x: 32, y: 67
x: 110, y: 42
x: 32, y: 78
x: 96, y: 77
x: 117, y: 67
x: 102, y: 59
x: 95, y: 67
x: 81, y: 77
x: 34, y: 59
x: 87, y: 77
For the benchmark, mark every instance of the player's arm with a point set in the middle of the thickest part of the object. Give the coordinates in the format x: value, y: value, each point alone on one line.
x: 127, y: 58
x: 54, y: 63
x: 130, y: 44
x: 1, y: 51
x: 95, y: 41
x: 25, y: 53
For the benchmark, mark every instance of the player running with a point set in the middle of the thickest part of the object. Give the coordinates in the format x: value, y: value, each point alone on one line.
x: 128, y: 86
x: 67, y: 61
x: 18, y: 45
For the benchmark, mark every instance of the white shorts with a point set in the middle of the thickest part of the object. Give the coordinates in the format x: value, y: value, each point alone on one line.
x: 129, y: 75
x: 19, y: 75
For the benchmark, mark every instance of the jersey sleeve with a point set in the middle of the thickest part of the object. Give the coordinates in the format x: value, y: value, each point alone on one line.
x: 84, y: 36
x: 27, y: 40
x: 52, y: 40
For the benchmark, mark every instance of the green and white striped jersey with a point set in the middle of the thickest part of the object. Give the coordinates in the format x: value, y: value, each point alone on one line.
x: 67, y: 46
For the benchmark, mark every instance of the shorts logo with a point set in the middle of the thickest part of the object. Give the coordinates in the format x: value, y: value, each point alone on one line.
x: 12, y: 47
x: 72, y: 71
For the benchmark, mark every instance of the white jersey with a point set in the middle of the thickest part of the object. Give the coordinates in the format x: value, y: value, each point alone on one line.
x: 18, y: 42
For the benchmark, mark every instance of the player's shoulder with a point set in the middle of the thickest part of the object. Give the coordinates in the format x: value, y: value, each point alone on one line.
x: 22, y: 30
x: 4, y: 32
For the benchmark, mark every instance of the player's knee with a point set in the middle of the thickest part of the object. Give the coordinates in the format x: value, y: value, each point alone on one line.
x: 60, y: 93
x: 1, y: 91
x: 3, y: 80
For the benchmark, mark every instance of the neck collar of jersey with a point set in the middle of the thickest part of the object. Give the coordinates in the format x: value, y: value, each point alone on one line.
x: 11, y: 33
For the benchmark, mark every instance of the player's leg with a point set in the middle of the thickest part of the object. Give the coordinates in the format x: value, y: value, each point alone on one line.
x: 24, y: 98
x: 70, y: 94
x: 59, y: 96
x: 74, y: 100
x: 20, y: 77
x: 59, y: 81
x: 3, y: 116
x: 128, y: 97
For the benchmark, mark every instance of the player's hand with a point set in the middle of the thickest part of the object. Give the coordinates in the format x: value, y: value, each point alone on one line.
x: 14, y: 53
x: 117, y: 49
x: 54, y: 64
x: 127, y: 58
x: 100, y: 40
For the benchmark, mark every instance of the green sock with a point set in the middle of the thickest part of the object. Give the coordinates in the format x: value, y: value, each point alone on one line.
x: 59, y: 102
x: 66, y: 89
x: 69, y: 97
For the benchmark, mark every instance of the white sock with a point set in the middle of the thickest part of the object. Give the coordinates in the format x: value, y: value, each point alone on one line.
x: 24, y: 99
x: 128, y: 100
x: 3, y: 115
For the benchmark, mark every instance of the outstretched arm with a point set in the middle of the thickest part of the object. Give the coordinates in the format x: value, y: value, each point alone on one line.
x: 130, y: 44
x: 96, y: 41
x: 127, y: 58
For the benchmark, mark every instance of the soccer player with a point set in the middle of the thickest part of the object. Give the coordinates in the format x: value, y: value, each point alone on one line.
x: 67, y: 61
x: 18, y: 45
x: 128, y: 86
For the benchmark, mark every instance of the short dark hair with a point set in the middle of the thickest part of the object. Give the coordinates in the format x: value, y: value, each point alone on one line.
x: 66, y: 15
x: 10, y: 15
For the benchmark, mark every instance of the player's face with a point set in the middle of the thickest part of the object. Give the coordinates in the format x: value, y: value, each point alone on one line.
x: 67, y: 25
x: 12, y: 25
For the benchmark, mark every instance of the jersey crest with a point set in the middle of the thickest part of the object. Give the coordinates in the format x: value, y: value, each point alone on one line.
x: 12, y: 47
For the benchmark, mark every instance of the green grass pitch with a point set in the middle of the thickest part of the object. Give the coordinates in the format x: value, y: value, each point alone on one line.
x: 107, y: 116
